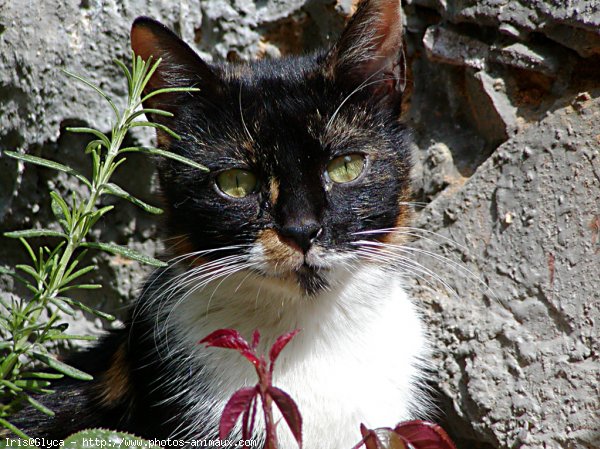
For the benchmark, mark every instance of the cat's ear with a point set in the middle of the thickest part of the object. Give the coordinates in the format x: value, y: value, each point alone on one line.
x: 180, y: 66
x: 369, y: 56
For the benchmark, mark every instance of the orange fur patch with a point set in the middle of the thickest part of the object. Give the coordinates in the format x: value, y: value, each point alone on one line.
x: 404, y: 218
x: 276, y: 248
x: 114, y: 385
x: 274, y: 190
x: 163, y: 139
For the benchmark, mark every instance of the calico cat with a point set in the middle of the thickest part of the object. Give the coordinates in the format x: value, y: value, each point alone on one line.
x: 295, y: 226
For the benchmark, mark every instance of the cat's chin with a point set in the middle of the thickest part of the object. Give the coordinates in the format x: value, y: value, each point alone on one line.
x: 306, y: 280
x: 311, y: 280
x: 306, y: 274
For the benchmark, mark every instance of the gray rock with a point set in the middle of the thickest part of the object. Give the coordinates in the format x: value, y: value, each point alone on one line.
x: 528, y: 57
x: 575, y: 24
x: 519, y: 354
x: 438, y: 171
x: 446, y: 46
x: 585, y: 43
x: 494, y: 114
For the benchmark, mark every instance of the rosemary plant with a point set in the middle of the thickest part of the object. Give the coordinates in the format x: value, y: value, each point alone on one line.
x: 25, y: 337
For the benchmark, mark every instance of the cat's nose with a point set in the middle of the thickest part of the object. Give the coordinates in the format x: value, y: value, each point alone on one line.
x: 302, y: 235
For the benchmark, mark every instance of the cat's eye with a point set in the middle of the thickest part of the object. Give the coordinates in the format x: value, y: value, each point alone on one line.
x: 346, y: 168
x: 236, y: 182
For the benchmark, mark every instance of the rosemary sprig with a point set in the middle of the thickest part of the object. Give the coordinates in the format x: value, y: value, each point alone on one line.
x: 54, y: 272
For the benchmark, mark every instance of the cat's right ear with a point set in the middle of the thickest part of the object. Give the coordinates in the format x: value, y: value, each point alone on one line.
x: 369, y: 57
x: 180, y: 65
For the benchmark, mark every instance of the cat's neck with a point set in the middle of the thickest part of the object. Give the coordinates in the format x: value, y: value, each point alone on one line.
x: 246, y: 302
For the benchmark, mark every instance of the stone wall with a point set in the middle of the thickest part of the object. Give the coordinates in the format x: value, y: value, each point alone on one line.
x: 504, y: 103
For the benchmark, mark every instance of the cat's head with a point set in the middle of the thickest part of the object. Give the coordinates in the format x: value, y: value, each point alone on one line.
x: 306, y: 154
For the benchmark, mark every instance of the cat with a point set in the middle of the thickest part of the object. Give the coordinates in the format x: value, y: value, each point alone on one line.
x: 295, y: 226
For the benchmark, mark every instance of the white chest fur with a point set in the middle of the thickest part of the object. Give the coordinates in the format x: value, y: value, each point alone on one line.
x: 358, y: 358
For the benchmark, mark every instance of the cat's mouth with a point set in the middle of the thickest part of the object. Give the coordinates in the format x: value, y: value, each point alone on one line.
x: 283, y: 262
x: 311, y: 280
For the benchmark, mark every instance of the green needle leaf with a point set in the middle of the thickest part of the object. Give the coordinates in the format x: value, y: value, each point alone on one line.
x: 100, y: 135
x: 48, y: 164
x: 39, y: 406
x: 27, y: 233
x: 81, y: 287
x: 125, y: 252
x: 85, y: 308
x: 97, y: 89
x: 30, y: 271
x: 42, y: 375
x: 169, y: 90
x: 32, y: 384
x: 127, y: 74
x: 59, y: 207
x: 62, y: 367
x: 118, y: 191
x: 150, y: 111
x: 4, y: 423
x: 157, y: 126
x: 168, y: 155
x: 8, y: 363
x: 93, y: 146
x: 11, y: 386
x: 77, y: 274
x: 72, y: 337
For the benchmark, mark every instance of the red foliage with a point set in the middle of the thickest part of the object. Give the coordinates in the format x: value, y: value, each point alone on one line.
x: 289, y: 410
x: 226, y: 338
x: 279, y: 344
x: 243, y: 402
x: 239, y: 403
x: 406, y: 435
x: 231, y: 339
x: 409, y: 434
x: 424, y: 435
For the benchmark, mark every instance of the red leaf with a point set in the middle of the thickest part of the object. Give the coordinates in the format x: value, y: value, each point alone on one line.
x: 248, y: 419
x: 381, y: 438
x: 251, y: 356
x: 397, y: 441
x: 370, y: 439
x: 226, y: 338
x: 280, y: 343
x: 255, y: 338
x: 424, y: 435
x: 239, y: 402
x: 289, y: 410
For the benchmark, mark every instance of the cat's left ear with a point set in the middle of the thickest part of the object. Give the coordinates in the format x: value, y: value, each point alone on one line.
x: 180, y: 66
x: 369, y: 56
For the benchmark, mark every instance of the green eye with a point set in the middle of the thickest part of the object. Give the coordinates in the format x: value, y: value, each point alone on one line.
x: 236, y: 182
x: 346, y: 168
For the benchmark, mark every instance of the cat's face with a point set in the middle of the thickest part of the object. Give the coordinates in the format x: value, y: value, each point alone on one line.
x: 306, y: 155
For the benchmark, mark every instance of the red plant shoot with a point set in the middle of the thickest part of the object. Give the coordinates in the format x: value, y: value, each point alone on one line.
x: 406, y: 435
x: 244, y: 401
x: 415, y: 434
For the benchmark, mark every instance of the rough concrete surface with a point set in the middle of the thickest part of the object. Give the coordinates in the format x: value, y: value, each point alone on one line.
x: 519, y: 338
x: 505, y: 106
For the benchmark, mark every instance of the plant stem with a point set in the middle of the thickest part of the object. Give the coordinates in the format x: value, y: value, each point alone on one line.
x: 264, y: 380
x: 269, y: 423
x: 81, y: 227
